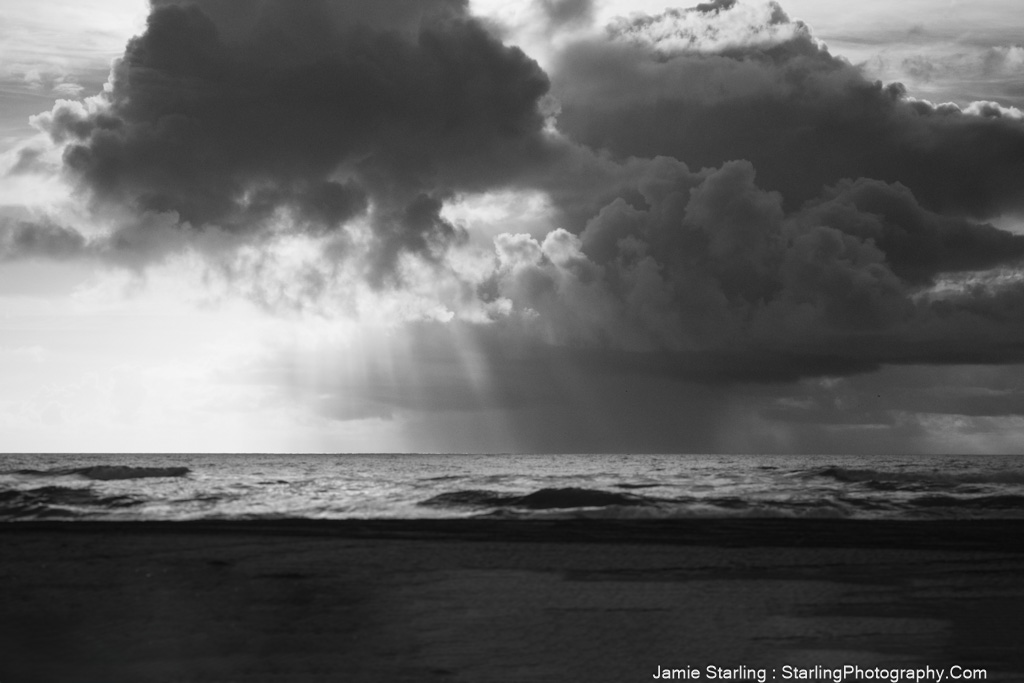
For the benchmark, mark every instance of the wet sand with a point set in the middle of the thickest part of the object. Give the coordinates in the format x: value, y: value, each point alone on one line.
x: 480, y: 601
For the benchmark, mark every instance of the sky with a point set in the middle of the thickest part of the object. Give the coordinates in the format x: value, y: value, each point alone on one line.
x: 532, y: 226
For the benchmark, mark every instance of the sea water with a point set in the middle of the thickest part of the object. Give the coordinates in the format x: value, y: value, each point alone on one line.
x: 179, y: 487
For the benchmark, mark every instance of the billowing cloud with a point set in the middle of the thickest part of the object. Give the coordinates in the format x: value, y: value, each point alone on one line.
x: 709, y: 27
x: 226, y: 113
x: 730, y: 81
x: 718, y: 280
x: 728, y: 200
x: 918, y: 243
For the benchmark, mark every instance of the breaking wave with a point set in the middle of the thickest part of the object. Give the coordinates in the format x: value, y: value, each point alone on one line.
x: 106, y: 487
x: 586, y: 503
x: 908, y: 479
x: 109, y: 472
x: 544, y: 499
x: 1008, y: 502
x: 51, y: 502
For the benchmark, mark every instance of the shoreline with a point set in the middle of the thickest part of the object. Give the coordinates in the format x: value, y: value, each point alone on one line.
x: 976, y: 535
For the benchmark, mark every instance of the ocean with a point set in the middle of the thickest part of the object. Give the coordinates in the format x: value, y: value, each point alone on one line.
x: 390, y: 486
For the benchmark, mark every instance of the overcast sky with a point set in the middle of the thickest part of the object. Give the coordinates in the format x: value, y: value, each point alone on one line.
x: 543, y: 225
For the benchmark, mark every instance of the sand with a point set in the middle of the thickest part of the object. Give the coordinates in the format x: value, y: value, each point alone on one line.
x: 504, y: 601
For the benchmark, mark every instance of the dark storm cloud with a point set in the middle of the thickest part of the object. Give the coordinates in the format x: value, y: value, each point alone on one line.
x: 226, y: 111
x: 824, y: 233
x: 918, y: 243
x: 707, y: 276
x: 707, y: 88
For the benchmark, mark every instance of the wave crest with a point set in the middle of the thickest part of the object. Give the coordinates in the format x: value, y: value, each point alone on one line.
x: 543, y: 499
x: 1007, y: 502
x: 470, y: 498
x: 894, y: 480
x: 57, y: 501
x: 109, y: 472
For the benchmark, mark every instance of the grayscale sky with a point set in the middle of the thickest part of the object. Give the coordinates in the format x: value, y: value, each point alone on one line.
x: 543, y: 225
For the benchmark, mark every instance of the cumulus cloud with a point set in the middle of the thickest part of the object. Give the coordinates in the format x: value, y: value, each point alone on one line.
x: 735, y: 82
x: 728, y: 200
x: 993, y: 110
x: 227, y: 113
x: 718, y: 280
x: 918, y: 243
x: 709, y: 27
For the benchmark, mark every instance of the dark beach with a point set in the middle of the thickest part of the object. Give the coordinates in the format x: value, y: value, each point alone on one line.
x: 503, y: 600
